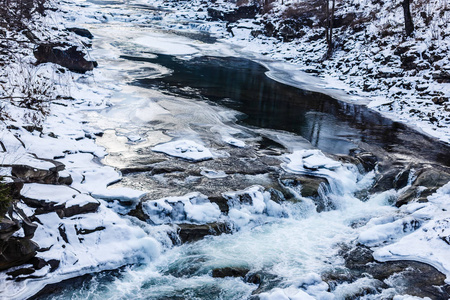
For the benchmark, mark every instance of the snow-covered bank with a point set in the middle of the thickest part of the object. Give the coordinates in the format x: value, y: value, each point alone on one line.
x: 46, y: 144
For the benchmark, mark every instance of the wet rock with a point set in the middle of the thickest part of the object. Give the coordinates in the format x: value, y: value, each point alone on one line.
x: 243, y: 12
x: 16, y: 251
x: 428, y: 180
x: 193, y: 232
x: 229, y: 272
x: 411, y: 277
x: 253, y: 278
x: 21, y: 272
x: 69, y: 57
x: 30, y: 174
x: 368, y: 160
x: 358, y: 257
x: 81, y: 32
x: 138, y: 213
x: 7, y: 228
x: 67, y: 179
x: 309, y: 187
x: 393, y: 178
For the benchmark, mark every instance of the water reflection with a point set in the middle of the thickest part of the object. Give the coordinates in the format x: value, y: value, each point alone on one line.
x: 331, y: 125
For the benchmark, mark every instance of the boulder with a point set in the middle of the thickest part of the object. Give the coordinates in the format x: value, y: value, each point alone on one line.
x: 66, y: 56
x: 7, y: 228
x: 413, y: 278
x: 428, y: 180
x: 81, y: 32
x: 70, y: 211
x: 243, y: 12
x: 30, y: 174
x: 308, y: 186
x: 16, y: 251
x: 192, y: 232
x: 229, y: 272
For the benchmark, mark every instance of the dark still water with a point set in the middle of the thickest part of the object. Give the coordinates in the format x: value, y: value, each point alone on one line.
x: 330, y: 125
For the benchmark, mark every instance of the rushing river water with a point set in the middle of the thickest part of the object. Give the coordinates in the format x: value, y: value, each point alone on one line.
x: 161, y: 95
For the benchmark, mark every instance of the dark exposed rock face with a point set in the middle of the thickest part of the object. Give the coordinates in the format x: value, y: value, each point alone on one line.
x: 78, y: 209
x: 16, y: 251
x: 243, y: 12
x: 193, y: 232
x: 71, y: 58
x: 310, y: 187
x: 411, y: 277
x: 428, y: 180
x: 81, y: 32
x: 229, y: 272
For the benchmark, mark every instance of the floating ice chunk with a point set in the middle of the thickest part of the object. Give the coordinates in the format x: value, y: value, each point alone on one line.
x: 309, y: 159
x: 185, y: 149
x: 234, y: 142
x: 193, y: 207
x: 213, y: 174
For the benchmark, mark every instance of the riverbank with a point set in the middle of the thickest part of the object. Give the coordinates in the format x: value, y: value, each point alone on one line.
x: 59, y: 223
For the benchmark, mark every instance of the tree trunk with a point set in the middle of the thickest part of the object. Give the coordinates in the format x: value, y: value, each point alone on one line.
x: 409, y: 26
x: 329, y: 25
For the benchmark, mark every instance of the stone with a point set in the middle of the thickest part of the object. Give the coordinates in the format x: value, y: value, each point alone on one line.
x: 309, y: 185
x: 16, y: 251
x: 67, y: 180
x: 73, y: 210
x: 7, y: 228
x: 192, y: 232
x: 81, y: 32
x: 428, y: 180
x: 229, y: 272
x: 21, y: 271
x: 30, y: 174
x: 413, y: 278
x: 68, y: 57
x: 243, y: 12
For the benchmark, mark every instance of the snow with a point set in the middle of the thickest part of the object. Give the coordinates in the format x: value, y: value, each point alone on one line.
x: 427, y: 241
x: 185, y: 149
x: 57, y: 194
x: 252, y: 205
x: 191, y: 208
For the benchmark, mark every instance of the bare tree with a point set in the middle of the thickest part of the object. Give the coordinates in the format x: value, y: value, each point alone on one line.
x: 409, y: 25
x: 329, y: 17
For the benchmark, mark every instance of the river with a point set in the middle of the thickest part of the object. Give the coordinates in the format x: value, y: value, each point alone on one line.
x: 167, y: 84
